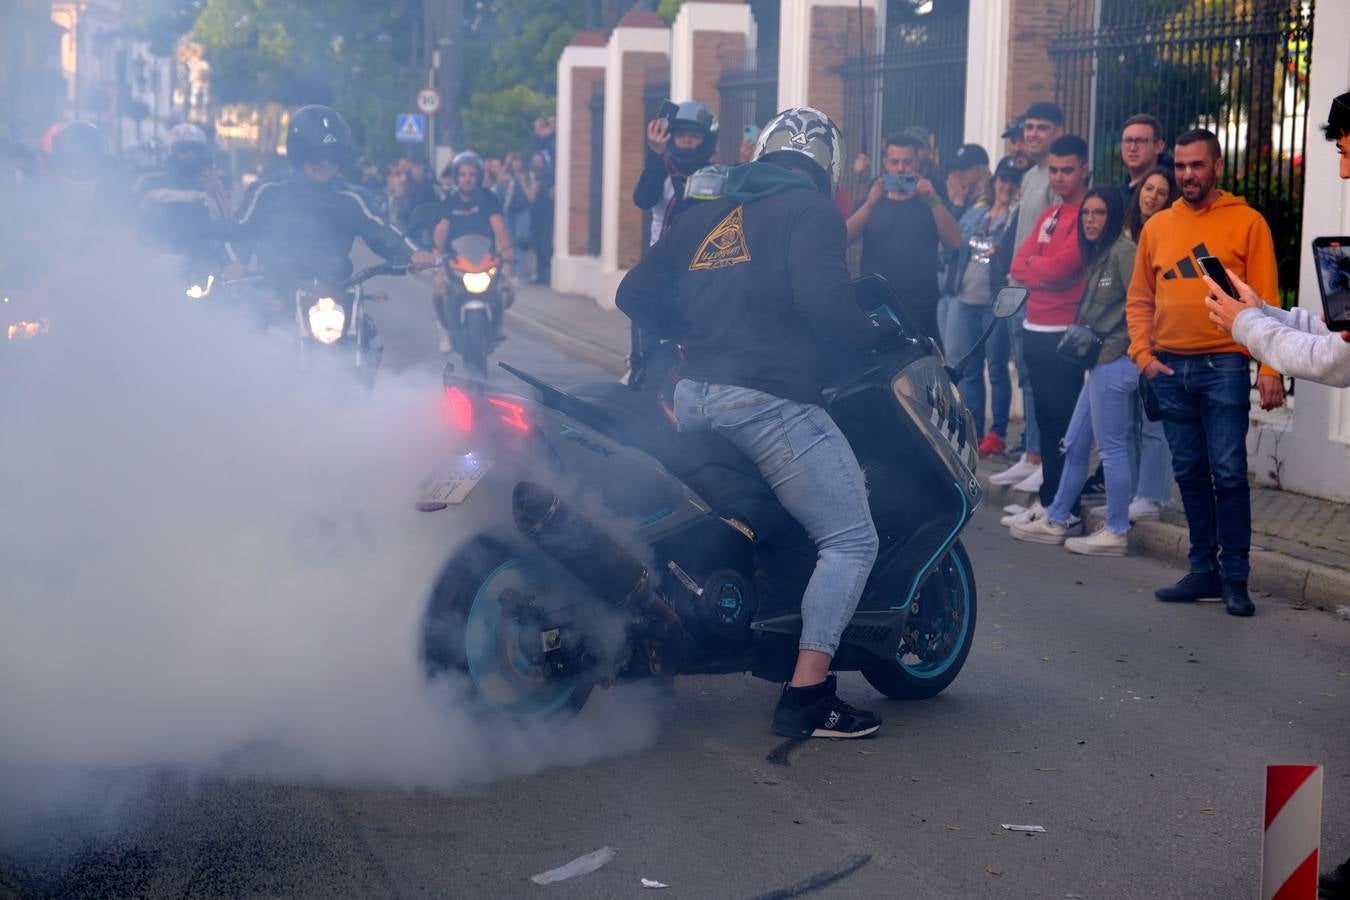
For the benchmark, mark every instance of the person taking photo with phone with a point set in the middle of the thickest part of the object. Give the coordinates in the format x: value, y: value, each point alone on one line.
x: 901, y: 224
x: 1290, y: 340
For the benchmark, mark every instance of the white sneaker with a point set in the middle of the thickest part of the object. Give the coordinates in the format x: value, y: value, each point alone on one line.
x: 1032, y: 483
x: 1013, y: 509
x: 444, y: 341
x: 1040, y: 531
x: 1030, y: 513
x: 1144, y: 509
x: 1014, y: 473
x: 1102, y: 542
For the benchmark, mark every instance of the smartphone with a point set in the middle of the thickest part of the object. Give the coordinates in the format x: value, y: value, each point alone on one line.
x: 750, y: 133
x: 900, y: 184
x: 1331, y: 255
x: 668, y: 112
x: 1214, y: 269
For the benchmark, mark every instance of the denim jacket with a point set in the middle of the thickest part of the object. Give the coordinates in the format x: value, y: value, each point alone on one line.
x: 970, y: 223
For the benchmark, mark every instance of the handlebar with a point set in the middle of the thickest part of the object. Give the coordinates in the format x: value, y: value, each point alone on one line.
x: 381, y: 269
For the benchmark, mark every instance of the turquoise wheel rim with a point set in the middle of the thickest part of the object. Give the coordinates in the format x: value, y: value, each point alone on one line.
x: 500, y: 674
x: 937, y: 668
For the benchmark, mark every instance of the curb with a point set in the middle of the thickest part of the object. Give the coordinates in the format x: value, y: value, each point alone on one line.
x: 1295, y: 581
x: 606, y: 358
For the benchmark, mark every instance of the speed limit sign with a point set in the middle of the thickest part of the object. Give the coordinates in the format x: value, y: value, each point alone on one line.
x: 428, y: 101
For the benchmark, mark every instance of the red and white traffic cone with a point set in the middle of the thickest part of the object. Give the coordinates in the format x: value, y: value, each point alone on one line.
x: 1293, y: 833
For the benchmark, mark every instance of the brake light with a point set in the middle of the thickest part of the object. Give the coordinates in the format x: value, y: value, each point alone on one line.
x: 459, y: 408
x: 512, y: 414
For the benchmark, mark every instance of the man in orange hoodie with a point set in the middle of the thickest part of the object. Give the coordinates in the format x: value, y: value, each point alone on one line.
x: 1198, y: 374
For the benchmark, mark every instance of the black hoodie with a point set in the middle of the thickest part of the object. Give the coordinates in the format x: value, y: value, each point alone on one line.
x: 754, y: 286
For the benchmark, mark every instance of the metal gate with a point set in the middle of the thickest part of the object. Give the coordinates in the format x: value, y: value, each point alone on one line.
x: 746, y: 96
x: 1240, y: 70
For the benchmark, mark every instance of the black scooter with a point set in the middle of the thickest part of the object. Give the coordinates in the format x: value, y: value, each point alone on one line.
x: 610, y: 547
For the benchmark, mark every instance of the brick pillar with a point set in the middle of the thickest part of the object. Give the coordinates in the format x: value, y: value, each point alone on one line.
x: 706, y: 38
x: 581, y: 68
x: 1033, y: 24
x: 639, y: 54
x: 816, y: 37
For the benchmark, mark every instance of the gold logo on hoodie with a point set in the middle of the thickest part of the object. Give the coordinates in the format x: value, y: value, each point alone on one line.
x: 725, y: 245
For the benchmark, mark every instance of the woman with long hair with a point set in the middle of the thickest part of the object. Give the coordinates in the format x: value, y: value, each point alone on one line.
x: 1150, y: 452
x: 1105, y: 408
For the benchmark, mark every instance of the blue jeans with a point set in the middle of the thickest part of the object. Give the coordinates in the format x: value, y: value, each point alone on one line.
x: 965, y: 323
x: 1152, y: 460
x: 1105, y: 412
x: 1205, y: 414
x: 809, y: 464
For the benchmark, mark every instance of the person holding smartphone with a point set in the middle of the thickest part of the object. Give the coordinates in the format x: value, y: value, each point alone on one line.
x: 901, y: 224
x: 1291, y: 340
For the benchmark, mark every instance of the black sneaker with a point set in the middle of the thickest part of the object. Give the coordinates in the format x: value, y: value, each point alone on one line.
x: 1195, y: 586
x: 817, y: 712
x: 1096, y: 485
x: 1236, y: 599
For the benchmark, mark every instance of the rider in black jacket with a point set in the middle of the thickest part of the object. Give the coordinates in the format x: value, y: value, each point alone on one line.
x: 750, y: 284
x: 304, y: 222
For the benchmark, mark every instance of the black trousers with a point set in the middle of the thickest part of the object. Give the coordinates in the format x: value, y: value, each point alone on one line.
x: 1055, y: 383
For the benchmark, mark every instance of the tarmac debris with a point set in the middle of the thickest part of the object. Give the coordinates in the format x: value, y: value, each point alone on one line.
x: 582, y: 865
x: 1024, y: 829
x: 653, y: 884
x: 1343, y: 612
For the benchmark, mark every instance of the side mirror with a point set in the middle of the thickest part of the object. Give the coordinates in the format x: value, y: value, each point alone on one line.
x: 1008, y: 301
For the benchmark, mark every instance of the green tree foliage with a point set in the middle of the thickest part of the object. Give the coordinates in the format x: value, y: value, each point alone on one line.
x: 499, y: 122
x: 161, y: 22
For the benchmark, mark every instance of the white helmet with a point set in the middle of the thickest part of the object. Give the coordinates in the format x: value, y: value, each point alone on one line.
x: 810, y: 133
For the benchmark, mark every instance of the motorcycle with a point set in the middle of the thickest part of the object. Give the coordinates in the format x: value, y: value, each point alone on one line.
x: 630, y: 550
x: 329, y: 317
x: 474, y: 301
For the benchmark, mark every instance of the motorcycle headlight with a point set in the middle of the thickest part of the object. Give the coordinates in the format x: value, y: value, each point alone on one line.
x: 20, y: 331
x: 197, y: 292
x: 477, y: 282
x: 326, y: 320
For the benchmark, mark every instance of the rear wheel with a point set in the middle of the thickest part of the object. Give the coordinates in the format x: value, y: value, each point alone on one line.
x: 937, y: 637
x: 483, y: 622
x: 475, y: 340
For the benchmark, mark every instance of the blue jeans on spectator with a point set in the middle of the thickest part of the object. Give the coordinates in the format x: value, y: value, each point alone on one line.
x: 1105, y: 412
x: 1031, y: 433
x: 1152, y: 461
x: 1205, y: 408
x: 808, y: 462
x: 965, y: 323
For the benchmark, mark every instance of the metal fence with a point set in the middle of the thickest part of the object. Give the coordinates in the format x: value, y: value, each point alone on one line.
x: 921, y: 80
x: 1240, y: 70
x: 746, y: 96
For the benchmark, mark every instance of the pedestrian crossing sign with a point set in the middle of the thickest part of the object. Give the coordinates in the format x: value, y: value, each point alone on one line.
x: 411, y: 128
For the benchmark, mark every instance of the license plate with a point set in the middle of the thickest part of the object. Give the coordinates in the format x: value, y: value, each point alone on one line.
x: 453, y: 482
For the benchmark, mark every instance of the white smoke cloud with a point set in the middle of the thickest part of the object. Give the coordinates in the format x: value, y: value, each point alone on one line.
x: 206, y: 557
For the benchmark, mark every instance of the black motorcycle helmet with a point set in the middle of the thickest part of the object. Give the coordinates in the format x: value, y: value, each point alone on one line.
x: 318, y: 134
x: 467, y: 158
x: 694, y: 115
x: 76, y: 152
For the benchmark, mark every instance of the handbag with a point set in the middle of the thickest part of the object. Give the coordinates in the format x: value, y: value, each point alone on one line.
x: 1080, y: 345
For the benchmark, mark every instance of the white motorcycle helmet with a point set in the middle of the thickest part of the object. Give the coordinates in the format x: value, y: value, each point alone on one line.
x: 809, y: 133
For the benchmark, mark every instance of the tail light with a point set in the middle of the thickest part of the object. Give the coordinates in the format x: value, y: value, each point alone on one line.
x: 459, y: 409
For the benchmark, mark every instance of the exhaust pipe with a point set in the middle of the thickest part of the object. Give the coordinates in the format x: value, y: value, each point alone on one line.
x: 583, y: 549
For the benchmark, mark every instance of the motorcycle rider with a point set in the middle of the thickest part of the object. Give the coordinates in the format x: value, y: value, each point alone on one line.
x: 471, y: 209
x: 184, y: 208
x: 676, y: 149
x: 303, y: 222
x: 749, y: 283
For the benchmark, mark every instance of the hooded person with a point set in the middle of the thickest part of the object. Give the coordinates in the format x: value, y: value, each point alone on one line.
x: 750, y: 283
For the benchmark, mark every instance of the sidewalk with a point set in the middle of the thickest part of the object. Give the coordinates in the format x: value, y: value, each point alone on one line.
x: 1298, y: 542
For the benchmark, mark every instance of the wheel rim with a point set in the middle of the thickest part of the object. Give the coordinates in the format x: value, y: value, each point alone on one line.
x: 943, y: 623
x: 500, y: 670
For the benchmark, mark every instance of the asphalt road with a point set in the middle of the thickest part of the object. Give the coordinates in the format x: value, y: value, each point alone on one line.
x: 1134, y: 732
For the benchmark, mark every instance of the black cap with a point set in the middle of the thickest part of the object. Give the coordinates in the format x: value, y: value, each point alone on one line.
x: 1013, y: 131
x: 1338, y: 120
x: 969, y: 156
x: 1009, y: 171
x: 1044, y: 109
